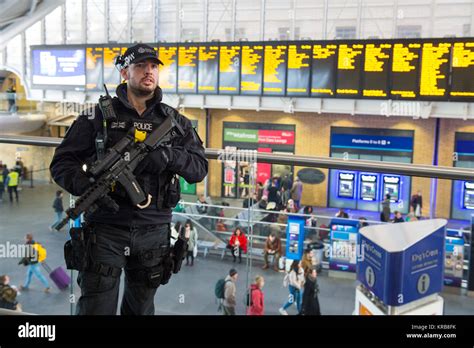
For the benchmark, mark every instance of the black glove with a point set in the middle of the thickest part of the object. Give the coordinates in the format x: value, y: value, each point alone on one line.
x: 156, y: 161
x: 80, y: 183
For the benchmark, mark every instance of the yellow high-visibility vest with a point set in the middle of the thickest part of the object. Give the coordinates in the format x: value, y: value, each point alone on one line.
x: 13, y: 178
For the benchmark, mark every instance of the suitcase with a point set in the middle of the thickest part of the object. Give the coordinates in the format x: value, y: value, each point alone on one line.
x: 58, y: 276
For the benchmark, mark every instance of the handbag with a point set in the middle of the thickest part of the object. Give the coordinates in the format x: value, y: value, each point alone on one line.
x: 195, y: 250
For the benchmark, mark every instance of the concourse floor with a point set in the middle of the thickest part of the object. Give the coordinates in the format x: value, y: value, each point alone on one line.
x: 189, y: 292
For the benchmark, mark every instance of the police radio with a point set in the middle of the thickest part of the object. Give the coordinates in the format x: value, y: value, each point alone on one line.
x: 108, y: 114
x: 106, y: 107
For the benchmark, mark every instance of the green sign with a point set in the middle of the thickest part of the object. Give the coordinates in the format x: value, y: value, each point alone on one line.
x: 186, y: 188
x: 241, y: 135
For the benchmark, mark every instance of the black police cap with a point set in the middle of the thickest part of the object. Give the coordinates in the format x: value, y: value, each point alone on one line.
x: 136, y: 54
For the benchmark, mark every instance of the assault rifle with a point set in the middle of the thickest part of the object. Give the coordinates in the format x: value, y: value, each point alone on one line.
x: 118, y: 165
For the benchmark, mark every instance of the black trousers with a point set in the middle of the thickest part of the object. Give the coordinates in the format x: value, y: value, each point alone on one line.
x: 12, y: 189
x: 129, y: 248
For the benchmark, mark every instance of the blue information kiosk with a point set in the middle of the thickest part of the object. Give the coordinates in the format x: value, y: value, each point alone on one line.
x: 401, y: 268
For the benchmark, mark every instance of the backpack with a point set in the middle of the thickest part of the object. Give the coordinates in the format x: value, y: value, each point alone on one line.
x: 248, y: 298
x: 40, y: 251
x: 220, y: 288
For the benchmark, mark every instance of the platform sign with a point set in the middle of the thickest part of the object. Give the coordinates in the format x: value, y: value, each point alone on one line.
x: 295, y: 237
x: 462, y: 70
x: 274, y: 71
x: 376, y: 68
x: 299, y: 69
x: 229, y: 68
x: 349, y: 69
x: 208, y: 69
x: 406, y: 57
x: 94, y: 66
x: 168, y: 54
x: 251, y: 73
x: 323, y: 70
x: 187, y: 68
x: 404, y: 262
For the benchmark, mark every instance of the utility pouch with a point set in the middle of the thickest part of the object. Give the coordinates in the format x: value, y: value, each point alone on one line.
x: 172, y: 193
x: 154, y: 276
x: 75, y: 249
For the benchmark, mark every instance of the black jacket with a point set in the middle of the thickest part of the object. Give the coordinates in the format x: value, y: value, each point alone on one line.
x: 310, y: 305
x: 58, y: 204
x: 78, y: 147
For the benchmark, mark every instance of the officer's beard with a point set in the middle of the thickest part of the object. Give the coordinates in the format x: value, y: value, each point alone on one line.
x: 140, y: 92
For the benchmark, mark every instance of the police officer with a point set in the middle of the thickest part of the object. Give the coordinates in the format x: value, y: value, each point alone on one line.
x: 133, y: 239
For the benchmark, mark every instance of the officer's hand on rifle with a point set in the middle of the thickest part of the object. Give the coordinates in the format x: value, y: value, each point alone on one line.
x: 156, y: 161
x: 81, y: 183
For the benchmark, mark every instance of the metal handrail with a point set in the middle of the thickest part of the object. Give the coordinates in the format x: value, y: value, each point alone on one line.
x: 428, y: 171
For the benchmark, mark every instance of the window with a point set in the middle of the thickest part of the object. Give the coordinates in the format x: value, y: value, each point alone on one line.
x: 190, y: 34
x: 96, y: 21
x: 409, y: 31
x: 248, y: 17
x: 143, y: 28
x: 239, y: 34
x: 54, y: 28
x: 345, y: 33
x: 74, y: 21
x: 466, y: 29
x: 220, y: 20
x: 118, y: 21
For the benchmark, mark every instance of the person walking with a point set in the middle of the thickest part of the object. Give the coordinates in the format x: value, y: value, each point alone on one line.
x: 256, y: 297
x: 58, y: 209
x: 310, y: 305
x: 385, y: 215
x: 3, y: 180
x: 191, y: 235
x: 12, y: 183
x: 295, y: 280
x: 416, y: 204
x: 32, y: 261
x: 230, y: 290
x: 296, y: 192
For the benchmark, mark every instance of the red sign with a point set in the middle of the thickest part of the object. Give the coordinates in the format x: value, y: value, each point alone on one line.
x: 280, y: 137
x: 264, y: 170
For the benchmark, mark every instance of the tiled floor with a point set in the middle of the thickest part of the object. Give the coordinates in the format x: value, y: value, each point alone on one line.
x: 189, y: 292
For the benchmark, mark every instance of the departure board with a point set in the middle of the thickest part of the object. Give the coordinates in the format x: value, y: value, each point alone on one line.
x: 462, y: 70
x: 208, y: 69
x: 111, y: 73
x: 168, y: 71
x: 251, y: 71
x: 323, y: 72
x: 94, y: 65
x: 187, y: 68
x: 229, y: 69
x: 376, y: 70
x: 404, y: 70
x: 349, y: 69
x: 298, y: 70
x: 434, y: 76
x: 274, y: 69
x: 431, y: 69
